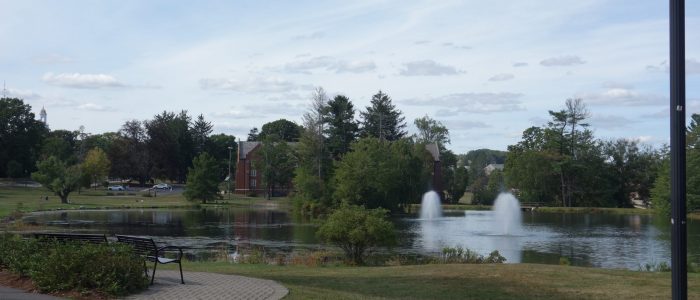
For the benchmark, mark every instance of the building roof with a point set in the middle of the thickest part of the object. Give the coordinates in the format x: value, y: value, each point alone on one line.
x: 245, y: 147
x: 434, y: 151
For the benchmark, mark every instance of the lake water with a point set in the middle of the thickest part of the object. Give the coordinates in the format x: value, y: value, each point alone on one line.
x: 597, y: 240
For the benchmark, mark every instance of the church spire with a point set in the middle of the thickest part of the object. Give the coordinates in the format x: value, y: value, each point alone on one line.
x: 42, y: 115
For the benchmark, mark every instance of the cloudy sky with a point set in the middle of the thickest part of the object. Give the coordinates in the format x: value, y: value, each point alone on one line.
x: 486, y: 69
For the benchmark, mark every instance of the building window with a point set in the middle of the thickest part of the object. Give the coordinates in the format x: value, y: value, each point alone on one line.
x: 253, y: 173
x: 252, y: 183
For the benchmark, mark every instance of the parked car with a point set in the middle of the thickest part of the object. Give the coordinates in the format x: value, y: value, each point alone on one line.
x: 163, y: 186
x: 116, y: 188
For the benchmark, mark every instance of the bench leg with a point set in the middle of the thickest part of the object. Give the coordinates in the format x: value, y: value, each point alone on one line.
x: 181, y: 278
x: 145, y: 268
x: 155, y: 265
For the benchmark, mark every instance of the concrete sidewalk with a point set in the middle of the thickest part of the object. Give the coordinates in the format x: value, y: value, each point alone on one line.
x: 7, y: 293
x: 197, y: 285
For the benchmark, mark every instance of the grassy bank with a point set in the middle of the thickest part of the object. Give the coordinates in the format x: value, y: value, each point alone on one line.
x: 459, y: 281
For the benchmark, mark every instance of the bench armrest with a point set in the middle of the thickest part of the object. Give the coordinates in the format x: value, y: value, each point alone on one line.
x: 170, y: 248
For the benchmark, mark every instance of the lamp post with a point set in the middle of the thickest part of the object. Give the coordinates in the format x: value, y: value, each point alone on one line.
x: 228, y: 182
x: 678, y: 171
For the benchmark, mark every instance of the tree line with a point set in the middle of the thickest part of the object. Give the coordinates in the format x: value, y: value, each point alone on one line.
x: 161, y: 148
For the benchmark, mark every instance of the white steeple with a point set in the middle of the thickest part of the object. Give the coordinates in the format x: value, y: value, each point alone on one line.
x: 42, y: 115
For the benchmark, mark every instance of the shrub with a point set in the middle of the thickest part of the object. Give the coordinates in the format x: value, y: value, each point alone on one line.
x: 111, y: 269
x: 464, y: 255
x: 356, y: 230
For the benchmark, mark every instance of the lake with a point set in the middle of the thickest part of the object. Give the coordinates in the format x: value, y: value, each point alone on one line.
x: 596, y: 240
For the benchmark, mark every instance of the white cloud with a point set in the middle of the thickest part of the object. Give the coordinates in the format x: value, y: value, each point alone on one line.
x: 453, y: 104
x: 22, y: 94
x: 94, y: 107
x: 311, y: 36
x: 621, y: 96
x: 427, y: 68
x: 354, y: 66
x: 464, y: 124
x: 329, y: 64
x: 502, y: 77
x: 421, y: 42
x: 566, y: 60
x: 251, y: 85
x: 82, y: 81
x: 519, y: 64
x: 609, y: 121
x: 692, y: 66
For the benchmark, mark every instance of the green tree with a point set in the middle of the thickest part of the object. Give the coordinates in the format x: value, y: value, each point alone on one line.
x: 218, y: 147
x: 284, y: 130
x: 380, y: 174
x: 57, y: 177
x: 200, y: 132
x: 357, y: 230
x: 382, y: 119
x: 170, y: 145
x: 431, y: 131
x: 314, y: 160
x: 253, y: 135
x: 277, y: 164
x: 21, y: 137
x: 342, y: 128
x: 128, y: 152
x: 202, y: 179
x: 62, y: 144
x: 96, y: 165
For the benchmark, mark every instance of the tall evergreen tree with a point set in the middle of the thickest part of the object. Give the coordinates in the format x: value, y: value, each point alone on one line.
x: 314, y: 162
x: 382, y: 119
x: 201, y: 130
x: 342, y: 128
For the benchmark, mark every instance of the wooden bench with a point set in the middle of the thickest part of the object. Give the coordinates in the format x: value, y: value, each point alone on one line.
x: 147, y: 248
x: 72, y: 237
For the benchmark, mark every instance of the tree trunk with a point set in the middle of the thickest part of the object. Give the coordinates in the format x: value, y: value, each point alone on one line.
x: 64, y: 198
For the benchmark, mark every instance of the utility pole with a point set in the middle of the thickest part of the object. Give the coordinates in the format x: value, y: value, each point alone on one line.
x: 228, y: 181
x: 679, y: 276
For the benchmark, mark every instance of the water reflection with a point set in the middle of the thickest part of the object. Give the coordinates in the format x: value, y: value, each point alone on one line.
x: 599, y: 240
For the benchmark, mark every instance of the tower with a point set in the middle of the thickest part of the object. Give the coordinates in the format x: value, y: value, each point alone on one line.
x: 42, y: 115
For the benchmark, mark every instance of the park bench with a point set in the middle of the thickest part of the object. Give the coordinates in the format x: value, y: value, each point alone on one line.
x: 146, y: 248
x: 72, y: 237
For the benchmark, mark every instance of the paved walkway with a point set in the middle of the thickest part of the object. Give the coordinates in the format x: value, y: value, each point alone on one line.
x: 197, y: 286
x: 200, y: 285
x: 7, y: 293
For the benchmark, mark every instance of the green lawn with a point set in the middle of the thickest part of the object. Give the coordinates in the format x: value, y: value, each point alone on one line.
x: 31, y: 199
x: 458, y: 281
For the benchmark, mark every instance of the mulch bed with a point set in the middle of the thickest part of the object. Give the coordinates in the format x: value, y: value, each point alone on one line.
x: 25, y: 283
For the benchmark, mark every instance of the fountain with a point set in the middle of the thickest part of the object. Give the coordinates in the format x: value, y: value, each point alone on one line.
x: 507, y: 214
x: 430, y: 206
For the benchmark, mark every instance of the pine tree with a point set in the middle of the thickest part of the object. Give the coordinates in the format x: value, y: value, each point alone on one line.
x: 382, y: 119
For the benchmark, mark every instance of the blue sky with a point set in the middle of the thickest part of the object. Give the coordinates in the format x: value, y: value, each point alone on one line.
x: 486, y: 69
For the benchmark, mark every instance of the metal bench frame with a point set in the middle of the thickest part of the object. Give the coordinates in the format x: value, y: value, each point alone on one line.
x: 146, y: 248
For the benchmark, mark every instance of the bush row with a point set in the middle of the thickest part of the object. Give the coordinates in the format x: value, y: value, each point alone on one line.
x: 111, y: 269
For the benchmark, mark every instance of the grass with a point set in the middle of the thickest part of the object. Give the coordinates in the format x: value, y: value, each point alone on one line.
x: 459, y: 281
x: 14, y: 199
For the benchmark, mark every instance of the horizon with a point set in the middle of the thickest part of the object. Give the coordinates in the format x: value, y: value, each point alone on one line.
x: 486, y: 71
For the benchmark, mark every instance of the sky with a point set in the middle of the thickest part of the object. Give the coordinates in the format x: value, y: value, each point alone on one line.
x: 487, y: 70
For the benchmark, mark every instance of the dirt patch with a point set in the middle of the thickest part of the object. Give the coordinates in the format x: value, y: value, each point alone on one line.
x: 25, y: 283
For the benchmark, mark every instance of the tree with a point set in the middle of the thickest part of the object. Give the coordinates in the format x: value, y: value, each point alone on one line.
x: 200, y: 131
x: 382, y: 119
x: 314, y: 162
x: 128, y: 152
x: 285, y: 130
x: 218, y: 147
x: 57, y: 177
x: 202, y: 179
x: 431, y: 131
x: 277, y: 164
x: 96, y: 165
x: 170, y: 145
x: 357, y: 230
x: 21, y: 137
x: 379, y: 174
x: 62, y: 144
x: 342, y: 128
x: 253, y: 135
